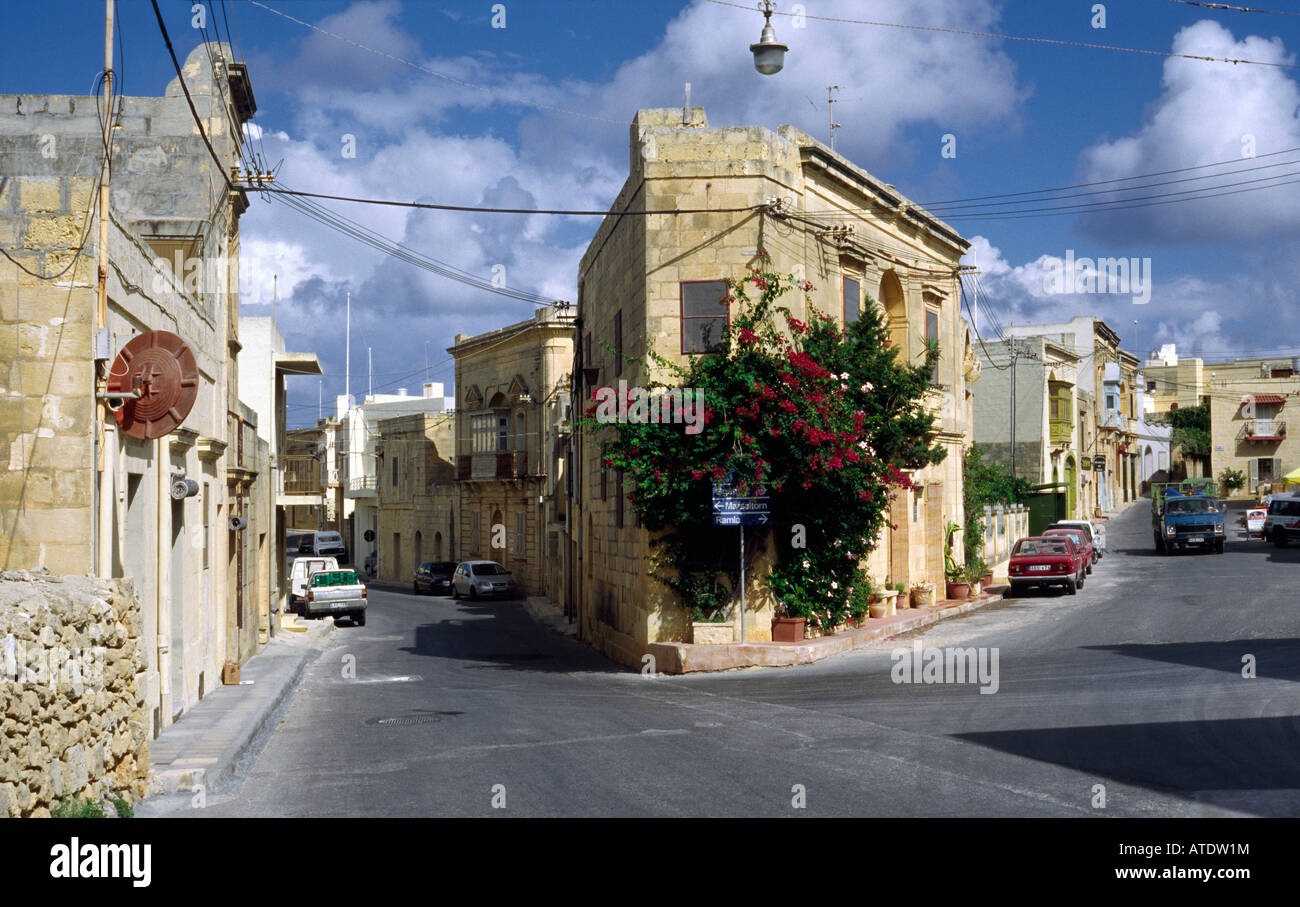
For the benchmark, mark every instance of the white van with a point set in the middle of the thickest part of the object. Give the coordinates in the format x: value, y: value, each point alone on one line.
x: 322, y: 544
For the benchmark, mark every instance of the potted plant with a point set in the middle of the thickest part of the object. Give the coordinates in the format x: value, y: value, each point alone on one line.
x: 904, y: 599
x: 786, y: 628
x: 923, y: 595
x: 958, y: 586
x: 980, y: 573
x: 706, y: 603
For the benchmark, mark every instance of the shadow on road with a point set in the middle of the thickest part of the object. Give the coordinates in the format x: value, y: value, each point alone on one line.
x: 1237, y: 754
x: 1278, y: 659
x: 499, y: 635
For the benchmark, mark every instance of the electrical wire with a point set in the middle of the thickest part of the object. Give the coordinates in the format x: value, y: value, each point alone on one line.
x: 1236, y: 9
x: 1025, y: 38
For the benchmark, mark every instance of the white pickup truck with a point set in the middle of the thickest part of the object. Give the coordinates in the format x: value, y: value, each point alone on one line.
x: 300, y: 575
x: 336, y: 593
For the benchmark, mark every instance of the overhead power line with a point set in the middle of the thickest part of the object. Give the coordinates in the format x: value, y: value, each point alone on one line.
x: 1026, y: 38
x: 479, y: 209
x: 1236, y: 9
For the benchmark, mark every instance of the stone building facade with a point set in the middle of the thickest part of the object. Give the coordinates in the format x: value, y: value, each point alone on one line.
x: 858, y: 241
x: 512, y: 416
x: 1048, y: 432
x: 1249, y: 431
x: 417, y: 493
x: 78, y: 495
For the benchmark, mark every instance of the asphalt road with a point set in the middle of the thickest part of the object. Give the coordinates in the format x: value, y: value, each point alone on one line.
x: 1134, y: 685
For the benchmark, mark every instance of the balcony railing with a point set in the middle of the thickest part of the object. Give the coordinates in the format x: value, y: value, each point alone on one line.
x: 1262, y: 430
x: 301, y: 475
x: 499, y: 465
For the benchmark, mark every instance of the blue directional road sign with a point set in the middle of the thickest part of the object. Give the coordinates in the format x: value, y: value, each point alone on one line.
x: 731, y: 508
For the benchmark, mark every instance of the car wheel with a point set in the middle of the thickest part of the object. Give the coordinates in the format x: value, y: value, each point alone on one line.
x: 415, y: 588
x: 455, y: 593
x: 1279, y: 537
x: 1160, y: 543
x: 1218, y: 547
x: 1088, y: 569
x: 359, y: 619
x: 1071, y: 587
x: 1079, y: 585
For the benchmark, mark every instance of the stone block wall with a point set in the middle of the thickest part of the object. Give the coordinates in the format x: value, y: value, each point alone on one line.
x: 72, y: 710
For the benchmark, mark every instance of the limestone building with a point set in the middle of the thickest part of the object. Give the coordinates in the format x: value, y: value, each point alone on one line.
x: 645, y: 283
x: 512, y: 417
x: 78, y: 495
x: 416, y: 494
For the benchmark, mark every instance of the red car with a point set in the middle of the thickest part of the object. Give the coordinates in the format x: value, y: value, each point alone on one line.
x: 1046, y: 560
x: 1081, y: 541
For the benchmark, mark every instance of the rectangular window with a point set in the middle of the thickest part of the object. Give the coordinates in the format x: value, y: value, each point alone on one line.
x: 519, y: 532
x: 587, y: 361
x: 604, y: 480
x: 704, y: 315
x: 618, y: 343
x: 207, y: 525
x: 394, y: 472
x: 474, y: 528
x: 852, y: 300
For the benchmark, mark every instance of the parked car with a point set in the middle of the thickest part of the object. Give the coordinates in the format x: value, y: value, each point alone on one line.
x: 1188, y: 521
x: 1097, y: 531
x: 337, y: 593
x: 1079, y: 536
x: 1282, y: 522
x: 300, y: 577
x: 372, y: 564
x: 433, y: 577
x: 323, y: 544
x: 477, y: 578
x: 1046, y: 561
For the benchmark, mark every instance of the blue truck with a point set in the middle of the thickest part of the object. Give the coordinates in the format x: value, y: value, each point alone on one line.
x: 1187, y: 519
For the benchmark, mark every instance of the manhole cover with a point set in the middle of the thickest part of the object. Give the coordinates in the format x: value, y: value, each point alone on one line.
x: 403, y: 720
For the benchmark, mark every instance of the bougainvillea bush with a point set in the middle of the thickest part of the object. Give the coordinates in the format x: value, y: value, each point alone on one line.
x: 821, y: 418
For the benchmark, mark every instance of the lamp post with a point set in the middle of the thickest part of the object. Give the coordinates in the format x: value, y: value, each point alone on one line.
x: 769, y: 55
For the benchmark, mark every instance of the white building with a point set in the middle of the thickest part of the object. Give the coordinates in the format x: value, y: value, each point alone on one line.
x: 358, y: 430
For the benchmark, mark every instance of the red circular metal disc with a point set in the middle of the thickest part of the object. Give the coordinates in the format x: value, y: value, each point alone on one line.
x: 162, y: 368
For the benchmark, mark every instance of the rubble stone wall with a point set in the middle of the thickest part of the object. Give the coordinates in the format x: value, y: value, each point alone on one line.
x: 72, y: 712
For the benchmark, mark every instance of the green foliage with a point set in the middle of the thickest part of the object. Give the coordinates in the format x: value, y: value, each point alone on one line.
x: 1191, y: 430
x: 124, y: 810
x: 1232, y: 479
x: 986, y: 484
x: 77, y: 808
x: 823, y: 419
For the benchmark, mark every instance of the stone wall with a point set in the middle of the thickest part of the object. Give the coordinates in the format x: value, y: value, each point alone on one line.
x: 73, y: 721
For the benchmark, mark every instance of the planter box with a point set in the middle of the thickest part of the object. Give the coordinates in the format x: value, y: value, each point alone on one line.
x: 958, y: 591
x: 923, y: 598
x: 711, y: 634
x: 787, y: 629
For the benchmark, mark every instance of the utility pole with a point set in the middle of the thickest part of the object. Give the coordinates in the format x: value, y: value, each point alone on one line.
x: 370, y: 375
x: 1012, y: 346
x: 105, y: 547
x: 347, y: 355
x: 830, y: 111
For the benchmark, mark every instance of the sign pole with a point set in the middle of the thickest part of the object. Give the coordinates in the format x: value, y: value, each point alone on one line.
x: 742, y: 581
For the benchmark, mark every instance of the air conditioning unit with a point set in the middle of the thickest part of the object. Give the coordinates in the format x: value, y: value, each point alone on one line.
x: 238, y: 523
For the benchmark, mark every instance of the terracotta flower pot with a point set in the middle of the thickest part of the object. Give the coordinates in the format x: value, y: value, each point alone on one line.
x: 958, y: 591
x: 878, y: 609
x: 787, y: 629
x: 986, y: 580
x: 923, y: 598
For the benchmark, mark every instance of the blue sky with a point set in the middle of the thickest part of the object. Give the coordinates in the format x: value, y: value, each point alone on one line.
x: 1025, y: 116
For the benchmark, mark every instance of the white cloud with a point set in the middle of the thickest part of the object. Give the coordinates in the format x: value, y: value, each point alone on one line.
x: 1208, y: 112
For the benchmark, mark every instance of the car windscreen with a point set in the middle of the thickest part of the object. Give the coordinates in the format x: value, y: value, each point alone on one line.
x: 1067, y: 533
x: 1039, y: 547
x: 442, y: 568
x: 489, y: 570
x: 1191, y: 505
x: 1082, y: 527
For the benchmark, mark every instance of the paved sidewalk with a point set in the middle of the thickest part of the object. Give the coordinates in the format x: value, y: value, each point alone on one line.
x: 201, y: 750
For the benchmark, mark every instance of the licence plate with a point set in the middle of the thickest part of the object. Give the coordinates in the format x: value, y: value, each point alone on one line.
x: 1037, y: 568
x: 1195, y: 539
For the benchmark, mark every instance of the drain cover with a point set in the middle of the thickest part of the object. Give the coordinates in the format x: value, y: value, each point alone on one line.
x: 403, y: 720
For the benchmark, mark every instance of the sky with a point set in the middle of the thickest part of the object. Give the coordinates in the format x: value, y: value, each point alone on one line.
x: 532, y: 106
